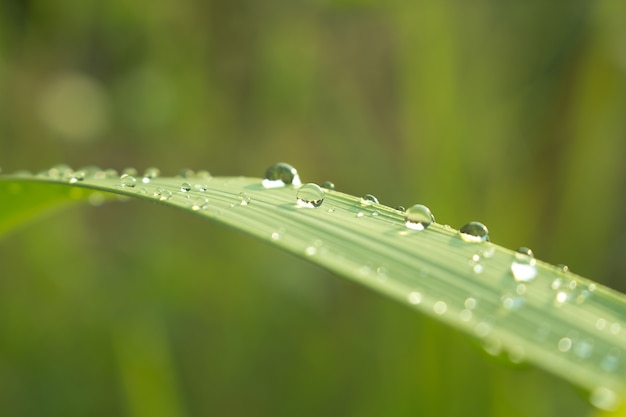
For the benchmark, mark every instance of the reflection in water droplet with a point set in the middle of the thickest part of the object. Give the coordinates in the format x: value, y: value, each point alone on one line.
x: 474, y: 232
x: 418, y: 217
x: 244, y: 199
x: 280, y: 175
x: 185, y: 187
x: 127, y: 180
x: 368, y: 199
x: 150, y: 174
x: 200, y: 203
x: 328, y: 185
x: 310, y: 196
x: 415, y: 297
x: 604, y: 398
x: 524, y: 267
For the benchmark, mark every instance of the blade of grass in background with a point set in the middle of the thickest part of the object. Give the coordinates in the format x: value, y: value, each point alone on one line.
x: 519, y: 308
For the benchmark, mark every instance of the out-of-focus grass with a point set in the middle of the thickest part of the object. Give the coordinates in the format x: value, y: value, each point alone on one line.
x: 508, y: 114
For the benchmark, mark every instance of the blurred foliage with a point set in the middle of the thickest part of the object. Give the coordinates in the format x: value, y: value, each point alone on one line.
x: 510, y: 113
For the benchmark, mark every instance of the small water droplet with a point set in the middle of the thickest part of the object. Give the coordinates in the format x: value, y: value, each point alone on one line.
x: 162, y: 194
x: 562, y: 268
x: 310, y: 196
x: 611, y: 360
x: 470, y: 303
x: 511, y: 302
x: 185, y: 187
x: 130, y: 171
x: 276, y: 236
x: 203, y: 174
x: 150, y: 174
x: 280, y: 175
x: 474, y: 232
x: 415, y: 297
x: 310, y: 250
x: 524, y: 266
x: 200, y: 203
x: 127, y: 180
x: 584, y: 348
x: 401, y: 209
x: 565, y: 344
x: 375, y: 213
x: 359, y: 214
x: 368, y: 200
x: 466, y: 315
x: 186, y: 173
x: 244, y: 199
x: 418, y: 217
x: 604, y: 398
x: 77, y: 176
x: 440, y: 307
x: 328, y: 185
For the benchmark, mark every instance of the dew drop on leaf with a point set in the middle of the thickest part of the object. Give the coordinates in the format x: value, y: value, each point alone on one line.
x: 185, y: 187
x: 280, y: 175
x: 418, y: 217
x: 524, y: 266
x: 200, y: 203
x: 310, y: 196
x: 474, y: 232
x: 368, y: 200
x: 150, y: 174
x: 244, y: 199
x: 328, y: 185
x: 127, y: 180
x: 604, y: 398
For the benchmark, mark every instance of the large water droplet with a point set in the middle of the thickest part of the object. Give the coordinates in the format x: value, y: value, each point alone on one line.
x: 127, y: 180
x: 280, y: 175
x: 368, y: 200
x: 185, y: 187
x: 310, y: 196
x: 162, y: 194
x: 418, y: 217
x: 474, y: 232
x: 524, y: 266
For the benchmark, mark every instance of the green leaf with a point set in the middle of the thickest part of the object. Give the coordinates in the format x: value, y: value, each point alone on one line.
x: 548, y: 316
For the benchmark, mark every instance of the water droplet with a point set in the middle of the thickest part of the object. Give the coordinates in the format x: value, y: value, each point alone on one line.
x: 470, y: 303
x: 244, y: 199
x: 440, y: 307
x: 360, y: 214
x: 150, y: 174
x: 511, y: 302
x: 162, y: 194
x: 310, y: 250
x: 310, y: 196
x: 130, y: 171
x: 418, y: 217
x: 415, y: 297
x: 524, y: 267
x: 368, y: 200
x: 127, y: 180
x: 375, y: 213
x: 186, y: 173
x: 328, y: 185
x: 604, y: 398
x: 280, y: 175
x: 276, y: 236
x: 77, y: 176
x: 474, y: 232
x: 465, y: 315
x: 401, y: 209
x: 185, y: 187
x: 611, y: 360
x: 584, y: 348
x: 203, y: 174
x: 200, y: 203
x: 564, y: 344
x: 562, y: 268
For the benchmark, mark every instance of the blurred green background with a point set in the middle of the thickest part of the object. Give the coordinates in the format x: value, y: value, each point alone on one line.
x: 510, y: 113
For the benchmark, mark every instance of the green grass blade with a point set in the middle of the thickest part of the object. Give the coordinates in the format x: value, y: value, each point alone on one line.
x: 558, y: 321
